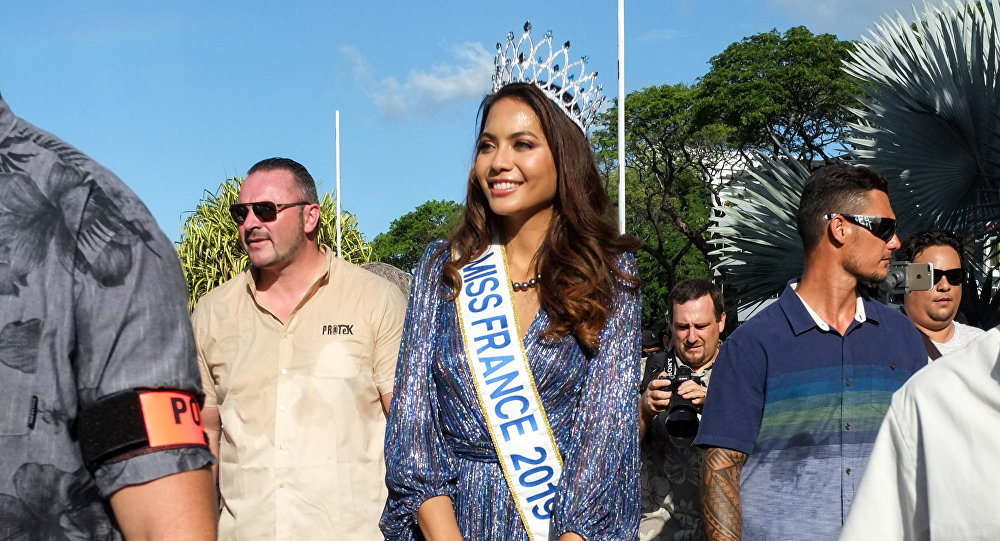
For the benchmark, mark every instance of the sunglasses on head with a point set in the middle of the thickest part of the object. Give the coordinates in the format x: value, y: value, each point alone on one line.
x: 266, y: 211
x: 955, y: 276
x: 883, y: 228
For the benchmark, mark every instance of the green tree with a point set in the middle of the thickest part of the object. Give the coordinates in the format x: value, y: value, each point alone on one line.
x: 930, y: 122
x: 685, y: 144
x: 675, y: 170
x: 210, y: 250
x: 409, y: 235
x: 777, y: 90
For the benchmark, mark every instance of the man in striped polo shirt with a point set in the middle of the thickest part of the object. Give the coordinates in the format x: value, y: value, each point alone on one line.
x: 800, y: 390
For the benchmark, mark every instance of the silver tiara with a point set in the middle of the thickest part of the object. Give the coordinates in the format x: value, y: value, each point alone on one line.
x: 568, y: 84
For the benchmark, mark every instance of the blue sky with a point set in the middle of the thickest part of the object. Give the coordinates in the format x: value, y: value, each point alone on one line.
x: 174, y: 97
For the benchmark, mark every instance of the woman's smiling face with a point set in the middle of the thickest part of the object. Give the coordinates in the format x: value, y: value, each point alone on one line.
x: 514, y: 164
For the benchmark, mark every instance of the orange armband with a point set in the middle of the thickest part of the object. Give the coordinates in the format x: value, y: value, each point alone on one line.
x: 138, y: 421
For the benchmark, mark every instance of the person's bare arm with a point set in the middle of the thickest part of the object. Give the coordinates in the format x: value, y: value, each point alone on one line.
x: 721, y: 507
x: 178, y: 507
x: 436, y: 518
x: 212, y: 423
x: 386, y: 402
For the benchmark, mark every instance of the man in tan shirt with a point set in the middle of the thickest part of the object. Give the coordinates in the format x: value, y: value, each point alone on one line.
x: 297, y: 358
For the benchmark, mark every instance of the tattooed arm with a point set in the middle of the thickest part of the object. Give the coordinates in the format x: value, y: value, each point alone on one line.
x: 721, y: 508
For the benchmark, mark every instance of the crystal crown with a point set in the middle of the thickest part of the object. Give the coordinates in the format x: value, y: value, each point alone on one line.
x: 566, y: 83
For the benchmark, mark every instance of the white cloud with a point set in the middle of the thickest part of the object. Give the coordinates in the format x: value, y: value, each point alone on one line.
x: 425, y: 90
x: 360, y: 69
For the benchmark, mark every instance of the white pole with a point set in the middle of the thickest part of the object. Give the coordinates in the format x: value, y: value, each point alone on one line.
x: 337, y: 120
x: 621, y: 116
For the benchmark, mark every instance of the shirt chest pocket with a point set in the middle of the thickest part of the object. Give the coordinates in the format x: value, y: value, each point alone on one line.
x: 340, y: 359
x: 873, y: 385
x: 19, y: 344
x: 19, y: 404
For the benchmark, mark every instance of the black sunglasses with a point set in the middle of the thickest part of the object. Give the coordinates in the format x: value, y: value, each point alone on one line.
x: 883, y: 228
x: 266, y: 211
x: 956, y: 276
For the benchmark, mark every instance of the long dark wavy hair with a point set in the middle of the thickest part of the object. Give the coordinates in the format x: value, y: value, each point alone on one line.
x: 577, y: 257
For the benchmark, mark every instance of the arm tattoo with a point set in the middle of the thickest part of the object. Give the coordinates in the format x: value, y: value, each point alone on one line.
x: 721, y: 508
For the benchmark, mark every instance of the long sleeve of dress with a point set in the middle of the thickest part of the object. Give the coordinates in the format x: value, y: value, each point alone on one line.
x: 599, y: 495
x: 418, y: 466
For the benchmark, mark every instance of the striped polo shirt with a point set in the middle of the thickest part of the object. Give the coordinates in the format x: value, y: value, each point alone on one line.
x: 805, y: 404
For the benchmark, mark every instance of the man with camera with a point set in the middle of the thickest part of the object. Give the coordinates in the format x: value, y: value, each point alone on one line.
x: 933, y: 312
x: 674, y: 389
x: 799, y: 390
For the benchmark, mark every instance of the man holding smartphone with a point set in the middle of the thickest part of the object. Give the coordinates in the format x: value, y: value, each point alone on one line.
x: 933, y: 312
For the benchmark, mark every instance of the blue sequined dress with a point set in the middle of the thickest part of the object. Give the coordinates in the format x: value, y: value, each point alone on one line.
x: 437, y: 443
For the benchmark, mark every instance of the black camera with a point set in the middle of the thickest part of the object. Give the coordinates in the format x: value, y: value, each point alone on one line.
x: 680, y: 421
x: 681, y: 418
x: 655, y: 363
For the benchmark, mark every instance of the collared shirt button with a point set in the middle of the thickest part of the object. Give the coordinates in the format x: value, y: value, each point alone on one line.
x: 848, y: 427
x: 281, y: 485
x: 284, y: 370
x: 848, y: 471
x: 848, y: 383
x: 281, y: 446
x: 282, y: 408
x: 892, y: 366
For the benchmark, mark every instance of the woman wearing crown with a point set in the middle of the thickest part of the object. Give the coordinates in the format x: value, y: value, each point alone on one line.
x: 514, y: 413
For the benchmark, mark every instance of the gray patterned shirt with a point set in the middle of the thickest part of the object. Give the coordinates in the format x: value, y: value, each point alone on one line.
x: 92, y: 302
x: 671, y: 485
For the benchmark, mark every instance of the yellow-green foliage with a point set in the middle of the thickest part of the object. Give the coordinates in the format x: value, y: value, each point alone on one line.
x: 210, y: 250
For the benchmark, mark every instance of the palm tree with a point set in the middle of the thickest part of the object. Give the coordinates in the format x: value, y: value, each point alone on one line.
x: 754, y: 231
x: 210, y: 250
x: 929, y: 121
x: 931, y: 124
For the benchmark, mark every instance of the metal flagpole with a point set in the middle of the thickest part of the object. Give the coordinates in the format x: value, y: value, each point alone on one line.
x: 621, y: 116
x: 337, y: 121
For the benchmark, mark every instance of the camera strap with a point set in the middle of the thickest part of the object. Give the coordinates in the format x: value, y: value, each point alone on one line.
x: 932, y: 350
x: 506, y: 391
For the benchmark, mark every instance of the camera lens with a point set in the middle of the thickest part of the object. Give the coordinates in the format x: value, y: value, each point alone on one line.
x: 681, y: 422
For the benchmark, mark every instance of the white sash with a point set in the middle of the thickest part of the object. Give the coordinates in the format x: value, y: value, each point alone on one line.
x: 506, y: 390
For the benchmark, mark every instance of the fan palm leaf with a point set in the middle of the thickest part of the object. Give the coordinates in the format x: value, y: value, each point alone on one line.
x: 754, y: 232
x: 930, y: 121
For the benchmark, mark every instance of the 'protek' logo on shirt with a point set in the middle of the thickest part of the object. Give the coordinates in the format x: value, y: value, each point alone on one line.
x: 338, y: 329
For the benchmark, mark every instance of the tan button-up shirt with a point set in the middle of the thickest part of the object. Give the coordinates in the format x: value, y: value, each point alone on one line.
x: 301, y: 450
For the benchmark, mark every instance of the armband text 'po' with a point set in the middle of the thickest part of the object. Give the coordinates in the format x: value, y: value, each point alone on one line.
x: 138, y: 421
